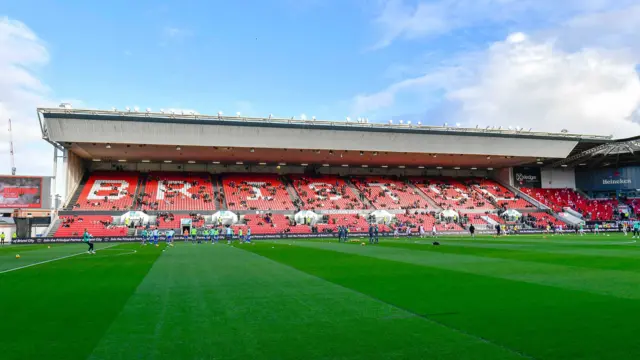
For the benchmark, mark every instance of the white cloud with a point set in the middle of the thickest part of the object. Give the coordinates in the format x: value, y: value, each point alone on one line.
x: 580, y: 75
x: 21, y: 92
x: 400, y: 19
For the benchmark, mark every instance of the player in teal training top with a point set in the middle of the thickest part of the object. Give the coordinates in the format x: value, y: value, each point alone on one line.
x: 86, y: 237
x: 636, y: 229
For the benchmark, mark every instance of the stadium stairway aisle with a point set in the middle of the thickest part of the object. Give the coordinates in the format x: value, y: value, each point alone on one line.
x: 218, y: 301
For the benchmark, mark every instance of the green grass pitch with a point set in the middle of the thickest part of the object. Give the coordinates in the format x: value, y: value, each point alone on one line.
x: 517, y: 297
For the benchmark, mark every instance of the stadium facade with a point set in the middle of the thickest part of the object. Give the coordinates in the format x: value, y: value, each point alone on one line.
x: 167, y: 170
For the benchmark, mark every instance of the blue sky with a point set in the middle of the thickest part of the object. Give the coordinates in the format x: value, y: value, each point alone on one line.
x: 544, y: 64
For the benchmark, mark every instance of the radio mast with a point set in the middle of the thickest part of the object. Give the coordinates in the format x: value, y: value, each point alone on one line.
x: 13, y: 160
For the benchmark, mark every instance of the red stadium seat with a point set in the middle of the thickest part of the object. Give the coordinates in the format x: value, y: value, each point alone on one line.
x: 325, y: 193
x: 178, y: 191
x: 455, y: 194
x: 96, y: 225
x: 108, y: 191
x: 256, y: 192
x: 557, y: 199
x: 389, y: 194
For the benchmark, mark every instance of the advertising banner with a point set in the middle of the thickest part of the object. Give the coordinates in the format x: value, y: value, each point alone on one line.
x: 528, y: 177
x: 20, y: 192
x: 608, y: 179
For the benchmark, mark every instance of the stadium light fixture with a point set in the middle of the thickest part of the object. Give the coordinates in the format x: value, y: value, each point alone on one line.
x: 136, y: 109
x: 304, y: 164
x: 474, y: 168
x: 122, y: 160
x: 128, y: 109
x: 178, y: 148
x: 401, y: 122
x: 108, y: 146
x: 439, y: 167
x: 401, y: 167
x: 270, y: 116
x: 162, y: 111
x: 239, y: 163
x: 564, y: 165
x: 582, y: 164
x: 361, y: 153
x: 148, y: 110
x: 420, y: 167
x: 238, y: 114
x: 446, y: 124
x: 325, y: 165
x: 145, y: 161
x: 348, y: 119
x: 488, y: 157
x: 375, y: 153
x: 191, y: 162
x: 252, y: 150
x: 282, y: 164
x: 490, y: 169
x: 313, y: 118
x: 215, y: 162
x: 97, y: 160
x: 384, y: 166
x: 458, y: 124
x: 167, y: 161
x: 390, y: 122
x: 456, y: 168
x: 419, y: 123
x: 539, y: 163
x: 173, y: 112
x: 262, y: 163
x: 409, y: 122
x: 219, y: 113
x: 114, y: 109
x: 330, y: 152
x: 365, y: 166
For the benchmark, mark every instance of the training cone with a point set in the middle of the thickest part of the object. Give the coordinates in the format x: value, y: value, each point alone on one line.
x: 17, y: 256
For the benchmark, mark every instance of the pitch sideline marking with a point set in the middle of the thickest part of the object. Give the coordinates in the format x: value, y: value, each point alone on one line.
x: 51, y: 260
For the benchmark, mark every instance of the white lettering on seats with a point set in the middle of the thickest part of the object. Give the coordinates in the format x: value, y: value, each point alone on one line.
x: 169, y: 187
x: 386, y: 191
x: 319, y: 186
x: 257, y: 193
x: 112, y: 189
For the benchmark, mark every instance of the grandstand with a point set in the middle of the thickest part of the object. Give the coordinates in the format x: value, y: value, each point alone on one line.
x: 126, y: 171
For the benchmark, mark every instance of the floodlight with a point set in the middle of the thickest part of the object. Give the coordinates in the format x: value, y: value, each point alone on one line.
x: 219, y: 113
x: 313, y: 118
x: 458, y: 124
x: 420, y: 123
x: 136, y: 109
x: 162, y: 111
x: 114, y: 109
x: 148, y: 110
x: 390, y: 122
x: 446, y: 124
x: 128, y: 109
x: 238, y: 114
x: 401, y: 122
x: 409, y: 122
x: 348, y: 119
x: 270, y: 116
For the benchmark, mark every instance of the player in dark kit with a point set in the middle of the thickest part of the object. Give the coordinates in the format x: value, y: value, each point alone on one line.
x: 86, y: 237
x: 371, y: 234
x: 375, y: 233
x: 472, y: 230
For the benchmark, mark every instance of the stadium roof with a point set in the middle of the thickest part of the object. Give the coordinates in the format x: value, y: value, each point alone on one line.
x: 159, y: 137
x: 617, y: 153
x: 182, y: 118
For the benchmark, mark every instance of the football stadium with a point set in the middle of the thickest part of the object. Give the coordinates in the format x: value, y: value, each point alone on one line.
x: 187, y: 236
